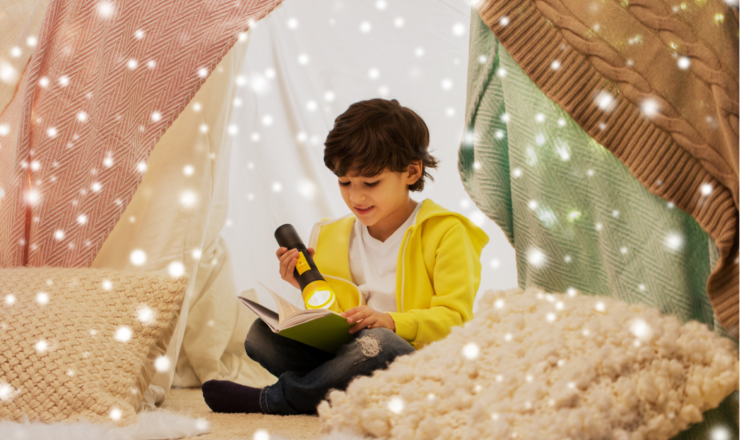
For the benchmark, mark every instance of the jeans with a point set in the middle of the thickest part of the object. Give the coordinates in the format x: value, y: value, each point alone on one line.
x: 306, y: 374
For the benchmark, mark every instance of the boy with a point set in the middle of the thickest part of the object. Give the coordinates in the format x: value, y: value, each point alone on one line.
x: 404, y: 274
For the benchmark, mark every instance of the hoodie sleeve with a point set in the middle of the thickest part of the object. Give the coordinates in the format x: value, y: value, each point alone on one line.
x: 456, y: 279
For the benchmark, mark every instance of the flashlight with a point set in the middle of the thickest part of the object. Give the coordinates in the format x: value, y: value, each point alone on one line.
x: 316, y: 292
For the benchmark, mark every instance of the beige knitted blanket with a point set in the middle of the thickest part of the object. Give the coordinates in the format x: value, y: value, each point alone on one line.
x: 82, y: 344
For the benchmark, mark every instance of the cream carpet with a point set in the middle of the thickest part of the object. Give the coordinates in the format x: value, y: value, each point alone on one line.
x: 189, y: 402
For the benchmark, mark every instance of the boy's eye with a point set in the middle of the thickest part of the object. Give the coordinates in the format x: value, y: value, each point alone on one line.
x: 366, y: 183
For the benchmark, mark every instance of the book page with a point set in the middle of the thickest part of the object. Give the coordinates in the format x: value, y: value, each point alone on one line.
x: 268, y: 316
x: 304, y: 316
x: 285, y: 308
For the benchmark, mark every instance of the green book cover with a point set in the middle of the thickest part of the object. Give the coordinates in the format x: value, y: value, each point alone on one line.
x: 328, y: 333
x: 320, y: 328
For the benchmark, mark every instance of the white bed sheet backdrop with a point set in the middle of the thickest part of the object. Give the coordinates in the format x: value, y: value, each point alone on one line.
x: 305, y: 64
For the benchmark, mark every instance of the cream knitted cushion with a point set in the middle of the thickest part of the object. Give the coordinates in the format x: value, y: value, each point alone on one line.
x: 80, y: 344
x: 538, y: 366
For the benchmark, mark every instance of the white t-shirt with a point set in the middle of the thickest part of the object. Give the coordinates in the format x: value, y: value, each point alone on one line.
x: 372, y: 264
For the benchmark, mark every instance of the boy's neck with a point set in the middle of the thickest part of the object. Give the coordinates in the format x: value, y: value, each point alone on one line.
x: 388, y: 225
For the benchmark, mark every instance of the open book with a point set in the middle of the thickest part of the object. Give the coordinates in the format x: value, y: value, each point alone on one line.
x: 320, y: 328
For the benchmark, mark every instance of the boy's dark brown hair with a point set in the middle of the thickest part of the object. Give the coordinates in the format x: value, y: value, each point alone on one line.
x: 377, y: 134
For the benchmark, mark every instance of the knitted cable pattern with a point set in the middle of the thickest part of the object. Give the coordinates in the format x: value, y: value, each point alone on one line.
x: 80, y: 344
x: 670, y: 157
x: 636, y: 88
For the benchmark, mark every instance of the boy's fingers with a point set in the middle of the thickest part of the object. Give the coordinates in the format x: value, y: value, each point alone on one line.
x: 283, y: 252
x: 286, y: 256
x: 351, y: 312
x: 360, y: 315
x: 286, y: 261
x: 360, y: 325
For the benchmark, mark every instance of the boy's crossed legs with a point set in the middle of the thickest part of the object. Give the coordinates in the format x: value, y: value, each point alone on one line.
x: 305, y: 374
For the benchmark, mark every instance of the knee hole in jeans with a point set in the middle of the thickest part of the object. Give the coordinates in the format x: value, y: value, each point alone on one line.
x: 370, y: 345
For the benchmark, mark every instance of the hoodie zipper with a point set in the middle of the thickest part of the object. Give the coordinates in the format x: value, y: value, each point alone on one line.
x: 403, y: 269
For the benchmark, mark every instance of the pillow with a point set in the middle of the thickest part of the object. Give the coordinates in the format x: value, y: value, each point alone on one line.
x: 533, y: 365
x: 80, y: 344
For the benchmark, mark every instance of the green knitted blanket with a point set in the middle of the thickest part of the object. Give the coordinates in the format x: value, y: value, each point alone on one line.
x: 573, y: 212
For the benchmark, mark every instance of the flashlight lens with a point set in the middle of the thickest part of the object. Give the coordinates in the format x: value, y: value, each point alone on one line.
x: 319, y: 297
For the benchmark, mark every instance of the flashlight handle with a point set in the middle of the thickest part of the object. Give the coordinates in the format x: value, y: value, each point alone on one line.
x: 288, y: 237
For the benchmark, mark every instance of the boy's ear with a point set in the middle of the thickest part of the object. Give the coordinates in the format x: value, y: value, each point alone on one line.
x: 414, y: 172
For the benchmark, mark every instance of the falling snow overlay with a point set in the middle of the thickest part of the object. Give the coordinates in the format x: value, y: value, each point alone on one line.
x: 619, y: 77
x: 549, y: 161
x: 543, y: 366
x: 601, y: 233
x: 279, y: 168
x: 82, y: 344
x: 63, y: 131
x: 186, y: 181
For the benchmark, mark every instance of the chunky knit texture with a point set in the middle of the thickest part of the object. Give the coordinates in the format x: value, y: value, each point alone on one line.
x: 538, y: 366
x: 598, y: 227
x: 573, y: 212
x: 64, y: 350
x: 675, y: 129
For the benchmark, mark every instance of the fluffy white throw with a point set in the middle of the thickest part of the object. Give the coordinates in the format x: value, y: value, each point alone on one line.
x: 541, y: 366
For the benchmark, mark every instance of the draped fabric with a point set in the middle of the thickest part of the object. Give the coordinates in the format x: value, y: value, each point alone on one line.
x: 575, y: 215
x: 105, y: 81
x: 103, y: 84
x: 657, y: 86
x: 176, y: 217
x: 579, y: 220
x: 307, y: 63
x: 20, y: 21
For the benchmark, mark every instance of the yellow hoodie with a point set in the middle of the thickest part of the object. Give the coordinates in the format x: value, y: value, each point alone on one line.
x: 437, y: 275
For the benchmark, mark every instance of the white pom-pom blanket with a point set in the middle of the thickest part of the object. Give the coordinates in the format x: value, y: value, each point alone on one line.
x: 541, y: 366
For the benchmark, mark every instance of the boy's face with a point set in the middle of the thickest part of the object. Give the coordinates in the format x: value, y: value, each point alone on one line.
x: 386, y: 194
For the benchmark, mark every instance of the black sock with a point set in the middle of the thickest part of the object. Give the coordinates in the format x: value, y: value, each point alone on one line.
x: 223, y: 396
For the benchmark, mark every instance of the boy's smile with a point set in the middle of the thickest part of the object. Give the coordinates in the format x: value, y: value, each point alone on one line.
x: 381, y: 202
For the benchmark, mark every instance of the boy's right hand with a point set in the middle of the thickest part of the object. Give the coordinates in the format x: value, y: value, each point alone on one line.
x: 288, y: 260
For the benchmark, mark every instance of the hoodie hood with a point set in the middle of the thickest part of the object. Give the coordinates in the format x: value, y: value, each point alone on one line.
x: 430, y: 209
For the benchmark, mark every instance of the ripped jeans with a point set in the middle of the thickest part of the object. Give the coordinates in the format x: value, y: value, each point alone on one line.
x: 306, y: 374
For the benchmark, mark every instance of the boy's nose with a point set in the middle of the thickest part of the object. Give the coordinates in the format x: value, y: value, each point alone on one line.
x: 357, y: 197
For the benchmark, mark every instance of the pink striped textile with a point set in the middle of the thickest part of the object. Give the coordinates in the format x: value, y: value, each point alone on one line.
x: 106, y: 80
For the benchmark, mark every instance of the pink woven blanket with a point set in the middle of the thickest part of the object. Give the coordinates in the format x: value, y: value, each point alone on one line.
x: 104, y: 83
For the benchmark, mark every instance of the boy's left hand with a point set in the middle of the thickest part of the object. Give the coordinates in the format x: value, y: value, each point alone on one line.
x: 369, y: 317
